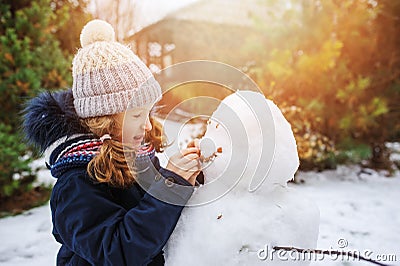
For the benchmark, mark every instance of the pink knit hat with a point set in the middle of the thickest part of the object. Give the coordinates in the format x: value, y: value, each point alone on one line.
x: 108, y: 77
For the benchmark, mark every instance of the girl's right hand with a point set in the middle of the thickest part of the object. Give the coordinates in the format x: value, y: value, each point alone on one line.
x: 185, y: 163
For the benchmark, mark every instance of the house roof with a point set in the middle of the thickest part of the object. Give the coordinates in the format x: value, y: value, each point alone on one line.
x: 242, y: 13
x: 149, y: 12
x: 231, y: 12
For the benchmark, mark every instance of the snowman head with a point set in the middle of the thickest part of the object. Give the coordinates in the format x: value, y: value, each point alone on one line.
x: 248, y: 143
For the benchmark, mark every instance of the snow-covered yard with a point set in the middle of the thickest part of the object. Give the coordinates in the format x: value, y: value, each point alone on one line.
x: 360, y: 210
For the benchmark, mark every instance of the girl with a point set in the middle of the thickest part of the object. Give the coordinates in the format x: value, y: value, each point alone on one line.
x: 105, y: 212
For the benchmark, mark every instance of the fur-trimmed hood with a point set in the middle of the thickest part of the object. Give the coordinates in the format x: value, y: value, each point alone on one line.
x: 49, y: 117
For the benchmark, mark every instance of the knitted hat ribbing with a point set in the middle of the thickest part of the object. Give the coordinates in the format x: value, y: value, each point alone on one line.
x: 108, y: 77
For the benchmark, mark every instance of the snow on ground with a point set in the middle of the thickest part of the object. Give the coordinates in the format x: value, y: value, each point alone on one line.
x: 358, y: 210
x: 26, y: 239
x: 361, y: 209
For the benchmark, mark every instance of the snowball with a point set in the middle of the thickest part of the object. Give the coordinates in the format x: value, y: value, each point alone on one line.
x: 207, y: 147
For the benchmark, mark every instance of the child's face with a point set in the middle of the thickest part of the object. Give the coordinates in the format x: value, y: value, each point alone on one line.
x: 135, y: 122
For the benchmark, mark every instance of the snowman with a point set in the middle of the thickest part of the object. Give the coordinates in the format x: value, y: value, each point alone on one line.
x: 245, y: 207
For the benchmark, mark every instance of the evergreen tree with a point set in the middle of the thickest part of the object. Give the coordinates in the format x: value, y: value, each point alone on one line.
x: 31, y: 59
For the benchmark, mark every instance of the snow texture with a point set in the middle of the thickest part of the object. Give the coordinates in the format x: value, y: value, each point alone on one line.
x: 359, y: 206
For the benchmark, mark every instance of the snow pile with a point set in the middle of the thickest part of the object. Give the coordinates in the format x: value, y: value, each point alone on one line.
x: 225, y: 223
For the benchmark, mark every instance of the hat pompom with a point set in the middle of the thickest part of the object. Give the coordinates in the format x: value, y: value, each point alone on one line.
x: 96, y: 31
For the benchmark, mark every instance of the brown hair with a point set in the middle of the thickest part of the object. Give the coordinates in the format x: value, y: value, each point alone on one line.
x: 111, y: 164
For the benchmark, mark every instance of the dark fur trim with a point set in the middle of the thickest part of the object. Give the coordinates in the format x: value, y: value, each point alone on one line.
x: 50, y: 116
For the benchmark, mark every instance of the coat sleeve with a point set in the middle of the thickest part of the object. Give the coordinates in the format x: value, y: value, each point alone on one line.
x: 104, y: 233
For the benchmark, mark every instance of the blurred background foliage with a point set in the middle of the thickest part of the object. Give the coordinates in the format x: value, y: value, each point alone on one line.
x: 36, y: 47
x: 332, y: 66
x: 341, y: 68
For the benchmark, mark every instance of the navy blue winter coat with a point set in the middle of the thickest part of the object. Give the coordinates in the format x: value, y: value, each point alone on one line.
x: 100, y: 225
x: 96, y: 223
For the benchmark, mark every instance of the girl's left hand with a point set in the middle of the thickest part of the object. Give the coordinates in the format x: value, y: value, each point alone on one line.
x: 195, y: 143
x: 185, y: 163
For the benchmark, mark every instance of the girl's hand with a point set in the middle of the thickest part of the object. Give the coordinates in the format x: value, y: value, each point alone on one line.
x: 185, y: 163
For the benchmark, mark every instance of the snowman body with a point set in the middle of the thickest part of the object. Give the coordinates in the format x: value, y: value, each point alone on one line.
x: 245, y: 207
